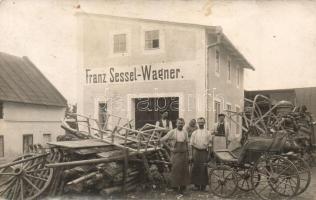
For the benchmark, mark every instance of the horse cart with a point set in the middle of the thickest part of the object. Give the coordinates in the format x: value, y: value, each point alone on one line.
x: 261, y: 166
x: 106, y: 158
x: 276, y: 153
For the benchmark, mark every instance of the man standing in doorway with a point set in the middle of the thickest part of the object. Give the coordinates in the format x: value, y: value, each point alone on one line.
x: 221, y: 128
x: 164, y: 122
x: 199, y: 141
x: 180, y: 156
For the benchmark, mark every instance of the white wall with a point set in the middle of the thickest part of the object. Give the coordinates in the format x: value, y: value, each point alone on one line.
x: 22, y: 119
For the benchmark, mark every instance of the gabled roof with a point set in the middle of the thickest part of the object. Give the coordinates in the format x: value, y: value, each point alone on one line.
x: 21, y: 81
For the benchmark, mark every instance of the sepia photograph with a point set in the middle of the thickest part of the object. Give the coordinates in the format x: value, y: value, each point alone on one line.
x: 158, y: 99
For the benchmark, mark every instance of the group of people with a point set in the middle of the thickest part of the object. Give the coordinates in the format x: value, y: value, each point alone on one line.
x: 191, y: 143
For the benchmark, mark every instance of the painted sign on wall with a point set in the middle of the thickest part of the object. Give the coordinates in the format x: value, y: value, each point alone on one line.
x: 139, y: 73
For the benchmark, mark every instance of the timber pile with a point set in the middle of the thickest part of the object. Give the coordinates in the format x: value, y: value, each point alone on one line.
x: 107, y: 177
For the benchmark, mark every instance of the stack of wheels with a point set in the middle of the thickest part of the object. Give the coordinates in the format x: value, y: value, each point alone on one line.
x: 27, y: 177
x: 271, y: 177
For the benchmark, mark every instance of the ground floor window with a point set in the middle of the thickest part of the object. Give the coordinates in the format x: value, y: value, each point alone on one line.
x: 102, y: 117
x: 1, y: 146
x: 150, y: 110
x: 229, y: 109
x: 27, y: 141
x: 47, y: 137
x: 237, y: 120
x: 217, y: 110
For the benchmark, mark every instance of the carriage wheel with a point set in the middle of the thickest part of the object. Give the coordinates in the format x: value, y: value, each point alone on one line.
x: 222, y: 181
x: 304, y: 172
x: 278, y: 178
x: 244, y: 179
x: 25, y: 178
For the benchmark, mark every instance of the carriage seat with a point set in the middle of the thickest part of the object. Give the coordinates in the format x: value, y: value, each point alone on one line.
x: 255, y: 147
x: 220, y: 150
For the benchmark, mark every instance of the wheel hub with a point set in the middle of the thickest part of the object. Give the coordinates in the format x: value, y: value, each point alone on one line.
x: 19, y: 170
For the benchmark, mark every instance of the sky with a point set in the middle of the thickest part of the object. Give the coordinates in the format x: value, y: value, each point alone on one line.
x: 277, y: 37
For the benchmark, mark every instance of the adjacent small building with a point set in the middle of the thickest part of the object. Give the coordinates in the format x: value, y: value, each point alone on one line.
x: 31, y: 108
x: 139, y: 68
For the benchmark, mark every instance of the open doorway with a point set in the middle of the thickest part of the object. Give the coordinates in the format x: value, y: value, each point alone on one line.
x: 149, y: 110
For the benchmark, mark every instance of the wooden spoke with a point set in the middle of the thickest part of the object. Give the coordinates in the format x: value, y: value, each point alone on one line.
x: 21, y: 190
x: 30, y: 183
x: 35, y: 177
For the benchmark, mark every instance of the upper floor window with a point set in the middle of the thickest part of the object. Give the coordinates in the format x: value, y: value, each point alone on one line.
x: 229, y: 70
x: 1, y: 110
x: 152, y: 39
x: 119, y: 43
x: 217, y: 57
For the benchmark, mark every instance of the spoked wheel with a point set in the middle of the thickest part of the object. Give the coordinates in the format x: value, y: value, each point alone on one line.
x: 303, y: 170
x: 25, y: 178
x: 222, y: 181
x: 244, y: 179
x: 279, y: 178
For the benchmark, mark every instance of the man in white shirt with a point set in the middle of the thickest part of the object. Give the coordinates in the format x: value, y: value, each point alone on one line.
x: 199, y: 142
x: 164, y: 122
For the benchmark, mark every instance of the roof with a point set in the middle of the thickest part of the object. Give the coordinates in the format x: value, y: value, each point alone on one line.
x: 281, y: 90
x: 21, y: 81
x: 225, y: 41
x: 235, y: 52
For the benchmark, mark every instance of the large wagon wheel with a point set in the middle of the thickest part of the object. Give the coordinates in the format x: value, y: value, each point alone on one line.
x: 278, y: 178
x: 222, y: 181
x: 25, y: 178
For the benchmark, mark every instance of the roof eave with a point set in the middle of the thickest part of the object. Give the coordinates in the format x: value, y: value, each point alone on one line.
x: 243, y: 60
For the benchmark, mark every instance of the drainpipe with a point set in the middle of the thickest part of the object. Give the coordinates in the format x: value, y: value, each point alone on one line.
x: 218, y: 41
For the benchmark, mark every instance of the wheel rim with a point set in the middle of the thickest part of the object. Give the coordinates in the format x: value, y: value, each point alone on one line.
x: 304, y: 173
x: 222, y: 181
x: 25, y: 178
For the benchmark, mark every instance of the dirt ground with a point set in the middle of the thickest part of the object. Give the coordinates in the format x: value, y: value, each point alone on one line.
x: 309, y: 194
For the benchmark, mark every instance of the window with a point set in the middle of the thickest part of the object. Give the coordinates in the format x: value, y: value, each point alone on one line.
x: 152, y: 39
x: 1, y: 110
x: 229, y: 108
x: 47, y: 137
x: 102, y: 110
x: 27, y: 141
x: 237, y: 120
x: 1, y: 146
x: 217, y: 110
x: 229, y: 70
x: 217, y: 57
x: 119, y: 43
x: 238, y: 76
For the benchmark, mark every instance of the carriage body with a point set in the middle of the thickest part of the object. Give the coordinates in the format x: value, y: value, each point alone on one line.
x: 261, y: 166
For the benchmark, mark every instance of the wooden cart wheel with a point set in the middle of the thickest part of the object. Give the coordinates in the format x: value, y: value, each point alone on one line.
x: 27, y: 177
x: 222, y: 181
x: 303, y: 170
x: 279, y: 178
